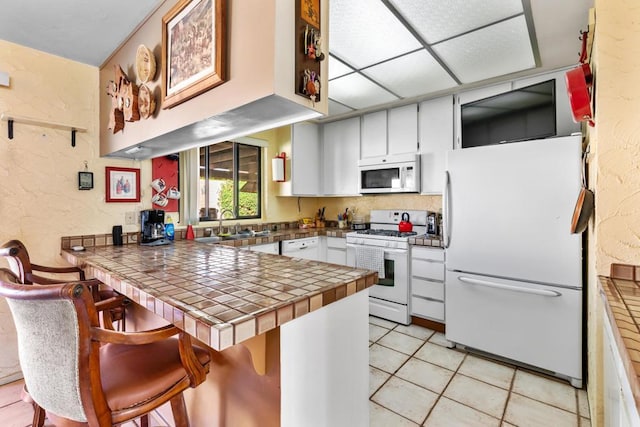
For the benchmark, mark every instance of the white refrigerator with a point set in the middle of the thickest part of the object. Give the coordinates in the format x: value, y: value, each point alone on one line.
x: 514, y: 270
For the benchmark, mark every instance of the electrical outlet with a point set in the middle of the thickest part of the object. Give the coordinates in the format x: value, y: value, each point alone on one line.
x: 130, y: 218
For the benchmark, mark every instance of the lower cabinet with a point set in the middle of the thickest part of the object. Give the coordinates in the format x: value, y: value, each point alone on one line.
x: 427, y: 283
x: 337, y: 250
x: 620, y: 408
x: 269, y: 248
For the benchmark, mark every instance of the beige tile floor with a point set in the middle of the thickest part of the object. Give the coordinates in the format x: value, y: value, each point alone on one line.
x: 415, y: 380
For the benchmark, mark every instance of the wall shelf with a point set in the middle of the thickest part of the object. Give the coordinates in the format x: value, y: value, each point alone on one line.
x: 11, y: 119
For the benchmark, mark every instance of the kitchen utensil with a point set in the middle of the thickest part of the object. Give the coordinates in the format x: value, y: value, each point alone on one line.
x: 405, y: 225
x: 578, y: 80
x: 585, y: 203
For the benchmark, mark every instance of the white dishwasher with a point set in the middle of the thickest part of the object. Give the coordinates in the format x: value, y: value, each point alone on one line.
x: 306, y: 248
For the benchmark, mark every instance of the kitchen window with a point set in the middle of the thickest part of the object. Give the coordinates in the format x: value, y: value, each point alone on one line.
x: 229, y: 181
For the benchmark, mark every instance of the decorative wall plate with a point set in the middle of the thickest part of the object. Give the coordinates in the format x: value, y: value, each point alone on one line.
x: 146, y: 102
x: 145, y: 64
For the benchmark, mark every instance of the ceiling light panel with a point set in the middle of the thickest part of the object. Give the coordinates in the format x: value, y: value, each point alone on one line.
x: 492, y: 51
x: 412, y: 74
x: 337, y: 68
x: 357, y: 91
x: 365, y: 32
x: 437, y: 20
x: 336, y: 108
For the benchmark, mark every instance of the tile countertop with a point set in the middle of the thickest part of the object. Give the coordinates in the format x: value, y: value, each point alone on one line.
x: 621, y: 297
x: 220, y: 295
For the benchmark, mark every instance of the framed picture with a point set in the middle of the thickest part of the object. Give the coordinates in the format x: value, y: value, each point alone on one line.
x: 193, y: 49
x: 85, y: 180
x: 123, y: 184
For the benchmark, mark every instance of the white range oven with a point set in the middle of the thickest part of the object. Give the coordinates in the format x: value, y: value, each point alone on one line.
x: 385, y: 249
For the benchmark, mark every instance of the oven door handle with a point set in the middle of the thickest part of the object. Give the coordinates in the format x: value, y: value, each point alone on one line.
x: 386, y: 250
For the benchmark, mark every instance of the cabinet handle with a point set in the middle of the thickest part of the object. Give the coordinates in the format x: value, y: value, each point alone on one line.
x: 541, y: 292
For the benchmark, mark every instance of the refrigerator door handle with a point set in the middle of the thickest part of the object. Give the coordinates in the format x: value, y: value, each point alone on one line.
x: 446, y: 229
x: 541, y: 292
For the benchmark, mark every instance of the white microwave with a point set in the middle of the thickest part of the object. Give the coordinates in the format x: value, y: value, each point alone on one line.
x: 390, y: 174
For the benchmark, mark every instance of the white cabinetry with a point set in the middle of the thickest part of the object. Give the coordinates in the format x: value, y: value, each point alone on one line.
x: 403, y: 129
x: 374, y: 135
x: 268, y: 248
x: 393, y: 131
x: 305, y: 159
x: 435, y: 124
x: 620, y: 408
x: 337, y: 250
x: 341, y: 150
x: 427, y: 283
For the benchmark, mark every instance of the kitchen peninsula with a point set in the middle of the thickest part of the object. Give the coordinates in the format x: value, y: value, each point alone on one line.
x: 290, y: 335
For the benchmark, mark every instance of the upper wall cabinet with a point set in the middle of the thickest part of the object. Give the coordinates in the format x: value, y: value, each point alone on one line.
x: 305, y: 159
x: 403, y: 129
x: 373, y: 142
x: 393, y: 131
x: 435, y: 124
x: 341, y: 149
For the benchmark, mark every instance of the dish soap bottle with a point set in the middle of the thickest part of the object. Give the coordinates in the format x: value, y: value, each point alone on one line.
x: 169, y: 230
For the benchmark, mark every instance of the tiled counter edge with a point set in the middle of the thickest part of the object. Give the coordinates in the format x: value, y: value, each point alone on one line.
x: 222, y: 335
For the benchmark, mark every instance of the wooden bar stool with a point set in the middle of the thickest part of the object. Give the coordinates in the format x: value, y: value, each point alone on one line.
x: 18, y: 258
x: 82, y: 374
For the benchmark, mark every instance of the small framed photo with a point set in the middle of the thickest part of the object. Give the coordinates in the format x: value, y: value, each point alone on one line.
x: 122, y: 184
x: 85, y: 180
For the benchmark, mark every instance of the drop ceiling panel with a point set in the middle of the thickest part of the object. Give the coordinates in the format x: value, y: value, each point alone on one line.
x: 438, y: 20
x: 337, y: 108
x: 492, y: 51
x: 357, y: 91
x: 412, y: 74
x: 365, y: 32
x: 337, y: 68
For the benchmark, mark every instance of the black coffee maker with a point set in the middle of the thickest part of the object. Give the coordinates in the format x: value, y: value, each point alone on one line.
x: 152, y: 225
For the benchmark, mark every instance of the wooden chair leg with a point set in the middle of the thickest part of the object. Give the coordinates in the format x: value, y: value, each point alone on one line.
x: 38, y: 415
x: 144, y: 420
x: 179, y: 410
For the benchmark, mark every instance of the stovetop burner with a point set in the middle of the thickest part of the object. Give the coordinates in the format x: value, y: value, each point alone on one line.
x: 388, y: 233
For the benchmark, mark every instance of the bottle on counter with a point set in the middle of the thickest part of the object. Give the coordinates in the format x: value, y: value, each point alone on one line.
x: 169, y: 229
x: 189, y: 235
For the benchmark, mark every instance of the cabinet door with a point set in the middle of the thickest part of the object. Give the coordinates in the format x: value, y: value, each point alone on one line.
x: 337, y: 256
x: 403, y: 129
x: 435, y: 124
x: 341, y: 143
x: 268, y: 248
x: 305, y: 159
x: 374, y: 135
x: 336, y: 250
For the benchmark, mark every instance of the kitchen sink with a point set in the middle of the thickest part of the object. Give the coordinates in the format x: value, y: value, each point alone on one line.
x: 210, y: 239
x: 241, y: 235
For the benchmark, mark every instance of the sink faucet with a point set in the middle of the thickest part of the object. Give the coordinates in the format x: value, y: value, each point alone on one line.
x: 224, y: 211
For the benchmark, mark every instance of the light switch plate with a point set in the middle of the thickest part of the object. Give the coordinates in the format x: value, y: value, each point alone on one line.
x: 4, y: 79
